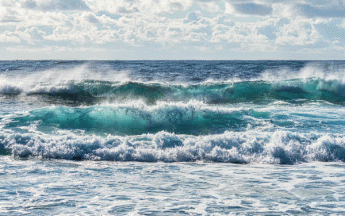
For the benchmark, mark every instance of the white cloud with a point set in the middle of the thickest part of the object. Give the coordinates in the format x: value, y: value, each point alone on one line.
x: 52, y: 49
x: 229, y: 8
x: 252, y: 9
x: 9, y: 37
x: 205, y: 25
x: 239, y: 33
x: 343, y: 24
x: 305, y: 8
x: 147, y: 6
x: 8, y: 15
x: 329, y: 10
x: 298, y: 32
x: 30, y: 35
x: 210, y: 6
x: 7, y: 3
x: 52, y: 5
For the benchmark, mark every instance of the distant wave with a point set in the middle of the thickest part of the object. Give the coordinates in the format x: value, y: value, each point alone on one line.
x: 83, y: 86
x: 92, y: 92
x: 230, y: 147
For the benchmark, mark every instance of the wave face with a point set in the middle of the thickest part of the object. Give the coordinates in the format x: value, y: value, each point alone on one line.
x: 174, y: 111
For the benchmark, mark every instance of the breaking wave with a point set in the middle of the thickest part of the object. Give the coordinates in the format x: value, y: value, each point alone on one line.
x: 251, y: 115
x: 230, y: 147
x: 92, y: 92
x: 83, y: 86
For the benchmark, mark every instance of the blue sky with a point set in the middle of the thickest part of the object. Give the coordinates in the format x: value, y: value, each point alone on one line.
x: 172, y: 29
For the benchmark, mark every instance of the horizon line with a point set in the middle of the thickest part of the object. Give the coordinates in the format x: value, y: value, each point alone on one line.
x: 172, y: 60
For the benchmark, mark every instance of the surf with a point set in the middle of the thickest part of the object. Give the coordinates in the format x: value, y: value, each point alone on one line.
x: 280, y: 147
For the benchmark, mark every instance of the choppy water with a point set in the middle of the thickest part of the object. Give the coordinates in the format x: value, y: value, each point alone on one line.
x: 82, y: 136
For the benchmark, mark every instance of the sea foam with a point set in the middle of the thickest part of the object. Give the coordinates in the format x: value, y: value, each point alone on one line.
x: 230, y: 147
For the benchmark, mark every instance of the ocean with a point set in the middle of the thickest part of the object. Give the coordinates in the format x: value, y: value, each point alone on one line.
x: 172, y: 137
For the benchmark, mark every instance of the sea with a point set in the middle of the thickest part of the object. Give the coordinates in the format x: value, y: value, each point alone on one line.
x: 172, y: 137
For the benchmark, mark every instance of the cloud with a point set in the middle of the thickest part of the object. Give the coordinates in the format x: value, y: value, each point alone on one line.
x: 29, y: 4
x: 176, y: 6
x: 52, y: 49
x: 147, y: 6
x: 91, y: 18
x: 210, y: 6
x: 7, y: 3
x: 308, y: 10
x: 191, y: 17
x: 238, y: 33
x: 8, y: 16
x: 268, y: 31
x: 9, y: 37
x: 131, y: 9
x: 30, y: 35
x: 298, y: 33
x: 253, y: 9
x: 201, y: 25
x: 52, y: 5
x: 305, y: 8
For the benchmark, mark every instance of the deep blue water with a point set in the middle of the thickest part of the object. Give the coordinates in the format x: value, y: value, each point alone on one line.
x: 61, y: 115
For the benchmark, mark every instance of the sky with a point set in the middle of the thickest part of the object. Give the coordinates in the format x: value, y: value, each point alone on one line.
x: 172, y: 29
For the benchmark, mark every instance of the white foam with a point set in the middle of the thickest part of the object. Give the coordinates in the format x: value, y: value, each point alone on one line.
x: 232, y: 147
x: 106, y: 188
